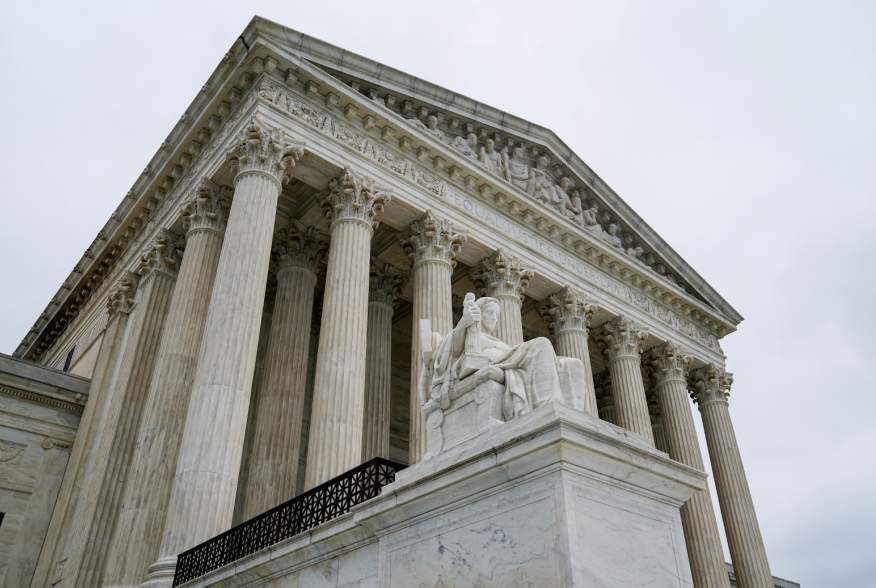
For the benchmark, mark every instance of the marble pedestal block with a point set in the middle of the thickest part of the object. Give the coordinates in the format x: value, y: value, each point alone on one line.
x: 553, y: 498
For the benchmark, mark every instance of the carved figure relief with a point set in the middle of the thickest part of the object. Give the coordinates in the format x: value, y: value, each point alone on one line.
x: 431, y: 127
x: 535, y: 180
x: 10, y: 451
x: 611, y: 236
x: 491, y: 159
x: 467, y: 146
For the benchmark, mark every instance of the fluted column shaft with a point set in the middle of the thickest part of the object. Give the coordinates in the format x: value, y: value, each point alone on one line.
x: 711, y: 387
x: 202, y: 500
x: 144, y: 504
x: 660, y: 440
x: 622, y: 342
x: 432, y: 246
x: 697, y: 515
x: 258, y: 372
x: 604, y: 399
x: 375, y: 436
x: 568, y: 315
x: 503, y: 277
x: 335, y: 446
x: 119, y: 306
x: 108, y: 464
x: 384, y: 289
x: 273, y: 462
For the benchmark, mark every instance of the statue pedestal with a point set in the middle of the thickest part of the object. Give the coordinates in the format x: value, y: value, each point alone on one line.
x: 552, y: 498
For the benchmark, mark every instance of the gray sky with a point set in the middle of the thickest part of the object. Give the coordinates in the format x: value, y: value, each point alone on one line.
x: 739, y: 131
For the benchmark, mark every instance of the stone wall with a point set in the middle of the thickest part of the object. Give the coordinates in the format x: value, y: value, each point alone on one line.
x: 39, y: 414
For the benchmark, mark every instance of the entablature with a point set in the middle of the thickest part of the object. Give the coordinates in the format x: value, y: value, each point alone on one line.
x: 255, y: 74
x: 333, y: 137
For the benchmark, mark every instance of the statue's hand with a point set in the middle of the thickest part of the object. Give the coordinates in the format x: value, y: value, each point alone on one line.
x: 490, y: 373
x: 471, y: 314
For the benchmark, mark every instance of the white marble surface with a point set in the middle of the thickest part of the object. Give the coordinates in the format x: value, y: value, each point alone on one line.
x: 554, y: 498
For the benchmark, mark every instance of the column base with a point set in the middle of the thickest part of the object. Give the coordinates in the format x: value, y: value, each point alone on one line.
x: 160, y: 574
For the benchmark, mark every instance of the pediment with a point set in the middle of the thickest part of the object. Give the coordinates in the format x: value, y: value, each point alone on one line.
x: 526, y: 158
x: 528, y: 171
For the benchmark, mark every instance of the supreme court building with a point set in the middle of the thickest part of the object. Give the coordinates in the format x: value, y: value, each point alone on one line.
x: 248, y: 326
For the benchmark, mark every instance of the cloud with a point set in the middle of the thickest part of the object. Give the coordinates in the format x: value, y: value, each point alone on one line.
x: 742, y: 133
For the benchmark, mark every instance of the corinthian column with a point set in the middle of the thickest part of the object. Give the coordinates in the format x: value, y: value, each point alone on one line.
x: 432, y: 246
x: 385, y: 285
x: 138, y: 530
x: 711, y: 390
x: 604, y: 399
x: 622, y: 344
x: 119, y: 306
x: 503, y: 277
x: 108, y: 462
x: 567, y: 314
x: 704, y: 550
x: 202, y: 499
x: 353, y: 208
x: 273, y: 461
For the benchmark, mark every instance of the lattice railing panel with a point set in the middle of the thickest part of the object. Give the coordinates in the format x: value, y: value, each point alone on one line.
x: 314, y: 507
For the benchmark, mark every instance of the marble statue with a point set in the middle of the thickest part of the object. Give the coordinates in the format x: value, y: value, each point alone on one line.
x: 636, y: 251
x: 468, y: 146
x: 611, y: 236
x: 541, y: 184
x: 490, y: 158
x: 517, y: 168
x: 431, y: 127
x: 471, y: 367
x: 570, y: 205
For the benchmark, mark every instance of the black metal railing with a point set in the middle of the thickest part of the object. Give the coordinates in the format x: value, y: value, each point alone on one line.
x: 314, y: 507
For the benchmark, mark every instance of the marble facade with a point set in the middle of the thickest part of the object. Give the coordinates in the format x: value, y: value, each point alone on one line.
x: 252, y: 312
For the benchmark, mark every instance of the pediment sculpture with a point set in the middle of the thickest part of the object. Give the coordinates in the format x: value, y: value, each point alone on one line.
x: 532, y: 177
x: 472, y: 381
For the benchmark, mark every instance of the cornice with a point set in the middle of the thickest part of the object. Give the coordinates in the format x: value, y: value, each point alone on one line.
x: 355, y: 117
x: 327, y: 55
x: 332, y: 95
x: 72, y: 407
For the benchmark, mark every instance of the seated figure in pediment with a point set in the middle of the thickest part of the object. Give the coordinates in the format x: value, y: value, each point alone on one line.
x: 591, y: 223
x: 570, y: 205
x: 468, y: 145
x: 431, y: 127
x: 541, y: 183
x: 470, y: 366
x: 517, y: 169
x: 491, y: 159
x: 612, y: 236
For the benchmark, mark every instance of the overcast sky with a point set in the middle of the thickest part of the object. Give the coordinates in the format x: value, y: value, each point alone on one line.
x: 741, y: 132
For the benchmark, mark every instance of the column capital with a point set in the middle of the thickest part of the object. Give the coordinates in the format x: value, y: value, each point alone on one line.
x: 206, y: 209
x: 384, y: 282
x: 621, y: 337
x: 354, y: 197
x: 710, y: 384
x: 501, y: 274
x: 121, y: 297
x: 299, y: 246
x: 567, y: 310
x: 265, y: 151
x: 432, y: 239
x: 668, y: 362
x: 160, y: 258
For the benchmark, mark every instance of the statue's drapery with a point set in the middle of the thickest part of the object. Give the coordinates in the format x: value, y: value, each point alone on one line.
x: 531, y: 372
